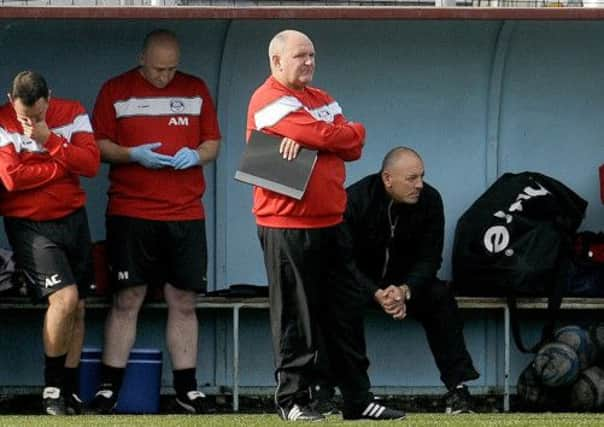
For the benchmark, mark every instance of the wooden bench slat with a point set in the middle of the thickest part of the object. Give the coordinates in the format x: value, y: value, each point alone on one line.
x: 21, y: 303
x: 570, y: 303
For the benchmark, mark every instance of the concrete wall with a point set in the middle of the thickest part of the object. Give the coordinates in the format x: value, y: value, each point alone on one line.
x: 475, y: 98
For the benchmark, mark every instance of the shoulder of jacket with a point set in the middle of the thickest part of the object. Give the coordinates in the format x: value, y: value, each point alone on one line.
x: 65, y: 109
x: 366, y: 189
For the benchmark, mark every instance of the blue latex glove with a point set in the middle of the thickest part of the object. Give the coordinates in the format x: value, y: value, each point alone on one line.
x: 145, y: 156
x: 185, y: 158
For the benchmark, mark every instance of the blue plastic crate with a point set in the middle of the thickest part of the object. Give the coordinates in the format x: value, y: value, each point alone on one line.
x: 140, y: 391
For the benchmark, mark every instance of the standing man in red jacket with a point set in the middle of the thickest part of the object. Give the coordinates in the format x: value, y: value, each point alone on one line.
x: 157, y: 127
x: 45, y: 146
x: 298, y: 237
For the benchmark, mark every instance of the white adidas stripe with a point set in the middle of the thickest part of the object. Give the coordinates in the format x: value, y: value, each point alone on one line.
x: 80, y: 124
x: 21, y: 142
x: 18, y: 140
x: 272, y: 114
x: 373, y: 410
x: 294, y: 413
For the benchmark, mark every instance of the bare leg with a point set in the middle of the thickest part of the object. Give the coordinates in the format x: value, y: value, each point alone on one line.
x: 77, y: 339
x: 120, y: 327
x: 57, y: 335
x: 59, y: 321
x: 181, y: 328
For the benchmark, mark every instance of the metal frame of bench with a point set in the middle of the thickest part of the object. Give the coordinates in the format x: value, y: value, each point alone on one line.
x: 236, y: 304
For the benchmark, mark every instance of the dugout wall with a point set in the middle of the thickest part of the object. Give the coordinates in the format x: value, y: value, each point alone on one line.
x: 477, y: 92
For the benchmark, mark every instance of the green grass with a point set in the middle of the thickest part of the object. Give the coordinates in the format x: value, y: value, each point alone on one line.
x: 268, y: 420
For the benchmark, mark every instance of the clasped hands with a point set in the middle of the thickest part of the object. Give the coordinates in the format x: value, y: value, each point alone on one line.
x: 393, y: 300
x: 146, y: 156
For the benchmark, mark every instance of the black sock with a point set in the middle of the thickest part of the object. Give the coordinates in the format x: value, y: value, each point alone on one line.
x: 184, y: 381
x: 111, y: 378
x: 71, y: 382
x: 54, y: 371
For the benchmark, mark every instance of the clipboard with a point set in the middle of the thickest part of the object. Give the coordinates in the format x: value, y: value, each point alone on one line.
x: 262, y: 165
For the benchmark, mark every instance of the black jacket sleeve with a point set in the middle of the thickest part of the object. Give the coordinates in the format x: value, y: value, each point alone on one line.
x: 430, y: 245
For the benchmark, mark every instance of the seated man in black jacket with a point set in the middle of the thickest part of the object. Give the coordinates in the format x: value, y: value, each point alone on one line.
x: 393, y: 234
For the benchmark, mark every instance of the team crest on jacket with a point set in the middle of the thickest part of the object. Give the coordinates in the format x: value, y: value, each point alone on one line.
x: 325, y: 115
x: 177, y: 106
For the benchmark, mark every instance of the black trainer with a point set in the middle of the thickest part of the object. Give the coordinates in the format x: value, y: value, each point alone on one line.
x: 104, y: 402
x: 300, y: 413
x: 324, y: 406
x: 375, y: 411
x: 322, y: 400
x: 194, y: 402
x: 73, y: 404
x: 458, y: 401
x: 53, y: 402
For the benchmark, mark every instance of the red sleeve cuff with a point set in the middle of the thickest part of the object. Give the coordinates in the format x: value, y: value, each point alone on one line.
x: 54, y: 143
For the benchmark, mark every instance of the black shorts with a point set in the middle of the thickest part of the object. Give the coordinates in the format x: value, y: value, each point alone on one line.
x: 53, y: 254
x: 153, y: 253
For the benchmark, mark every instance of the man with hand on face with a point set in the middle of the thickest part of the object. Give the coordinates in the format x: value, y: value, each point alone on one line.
x: 157, y: 127
x: 393, y: 232
x: 298, y: 237
x: 45, y: 146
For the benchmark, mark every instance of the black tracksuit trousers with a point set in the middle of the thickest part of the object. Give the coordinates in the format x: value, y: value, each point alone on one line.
x: 307, y: 306
x: 434, y: 306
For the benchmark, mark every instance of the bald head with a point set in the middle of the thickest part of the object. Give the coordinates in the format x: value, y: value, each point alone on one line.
x: 160, y: 57
x: 159, y: 36
x: 292, y: 58
x: 396, y: 154
x: 403, y: 175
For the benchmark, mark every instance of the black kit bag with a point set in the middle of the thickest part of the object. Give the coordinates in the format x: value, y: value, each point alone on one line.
x: 515, y: 240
